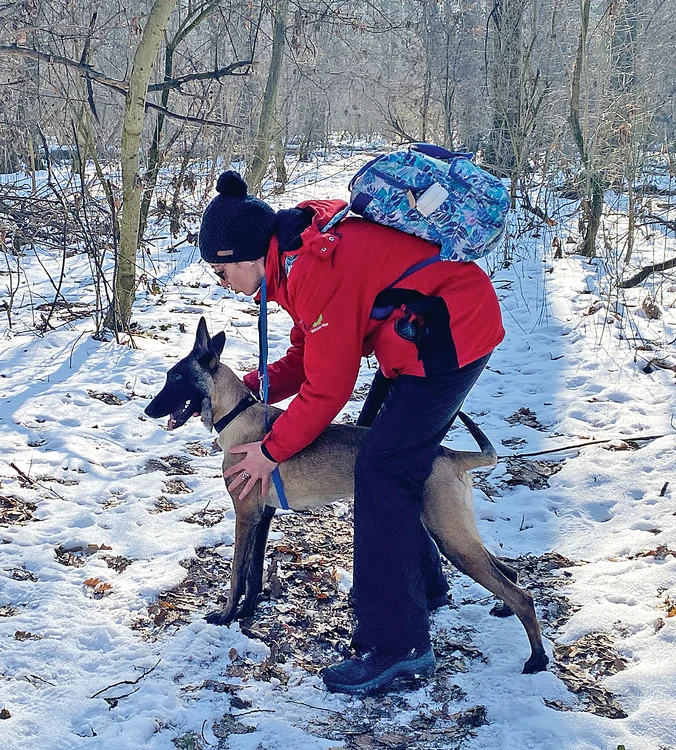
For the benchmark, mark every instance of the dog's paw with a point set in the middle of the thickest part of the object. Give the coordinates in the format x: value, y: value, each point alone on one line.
x: 501, y: 610
x: 219, y: 618
x: 536, y: 663
x: 246, y: 610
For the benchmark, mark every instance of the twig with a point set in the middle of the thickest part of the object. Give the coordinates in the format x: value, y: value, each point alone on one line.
x: 127, y: 682
x: 204, y: 723
x: 582, y: 445
x: 33, y: 482
x: 317, y: 708
x: 42, y: 679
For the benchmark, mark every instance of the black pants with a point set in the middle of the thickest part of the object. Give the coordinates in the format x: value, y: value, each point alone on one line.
x: 396, y: 563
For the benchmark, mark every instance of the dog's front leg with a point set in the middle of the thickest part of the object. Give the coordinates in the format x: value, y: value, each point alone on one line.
x: 248, y: 516
x: 254, y: 579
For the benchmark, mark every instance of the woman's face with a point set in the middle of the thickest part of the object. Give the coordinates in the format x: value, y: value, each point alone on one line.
x: 243, y: 277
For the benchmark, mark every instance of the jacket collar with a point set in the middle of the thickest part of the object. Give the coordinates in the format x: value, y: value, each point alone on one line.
x: 311, y: 239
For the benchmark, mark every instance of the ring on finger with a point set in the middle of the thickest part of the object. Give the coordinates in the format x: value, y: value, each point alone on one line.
x: 245, y: 475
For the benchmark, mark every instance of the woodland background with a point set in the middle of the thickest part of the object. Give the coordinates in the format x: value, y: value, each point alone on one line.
x: 145, y: 102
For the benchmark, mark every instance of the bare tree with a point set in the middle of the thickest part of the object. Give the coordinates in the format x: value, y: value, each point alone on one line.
x: 119, y: 315
x: 267, y: 124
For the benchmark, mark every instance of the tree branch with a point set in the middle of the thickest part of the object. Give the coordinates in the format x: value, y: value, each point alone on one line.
x: 121, y: 86
x: 188, y: 118
x: 229, y: 70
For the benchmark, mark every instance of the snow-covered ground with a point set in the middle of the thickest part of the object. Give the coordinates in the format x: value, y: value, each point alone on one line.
x: 65, y: 630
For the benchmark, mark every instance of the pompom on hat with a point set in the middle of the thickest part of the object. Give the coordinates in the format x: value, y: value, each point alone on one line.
x: 235, y: 224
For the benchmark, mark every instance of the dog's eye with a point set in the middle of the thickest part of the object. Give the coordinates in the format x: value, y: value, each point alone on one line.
x: 176, y: 376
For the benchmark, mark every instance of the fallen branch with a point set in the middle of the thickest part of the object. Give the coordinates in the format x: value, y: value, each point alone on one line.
x: 316, y: 708
x: 126, y: 682
x: 647, y: 271
x: 122, y: 86
x: 536, y: 210
x: 582, y: 445
x: 186, y: 118
x: 32, y: 482
x: 662, y: 222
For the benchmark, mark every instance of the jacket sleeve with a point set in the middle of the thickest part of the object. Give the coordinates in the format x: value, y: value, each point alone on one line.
x: 287, y: 374
x: 333, y: 345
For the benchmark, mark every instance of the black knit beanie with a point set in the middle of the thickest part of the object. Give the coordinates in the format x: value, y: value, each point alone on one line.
x: 236, y: 223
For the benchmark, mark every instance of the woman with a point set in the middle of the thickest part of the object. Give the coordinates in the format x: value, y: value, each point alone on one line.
x: 432, y: 333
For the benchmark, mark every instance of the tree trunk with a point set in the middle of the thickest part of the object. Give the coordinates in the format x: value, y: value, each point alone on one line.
x: 574, y: 115
x: 119, y: 315
x: 265, y: 135
x: 155, y: 155
x: 507, y: 16
x: 593, y: 211
x: 593, y: 203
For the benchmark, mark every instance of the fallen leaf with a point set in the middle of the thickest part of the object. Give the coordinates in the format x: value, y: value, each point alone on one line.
x: 24, y: 635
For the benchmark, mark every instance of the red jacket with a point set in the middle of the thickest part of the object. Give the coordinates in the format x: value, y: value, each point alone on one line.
x: 329, y: 293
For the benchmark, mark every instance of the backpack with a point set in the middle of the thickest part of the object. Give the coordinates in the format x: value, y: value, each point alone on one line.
x: 435, y: 194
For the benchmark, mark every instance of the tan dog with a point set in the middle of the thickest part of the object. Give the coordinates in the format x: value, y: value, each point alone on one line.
x: 323, y: 473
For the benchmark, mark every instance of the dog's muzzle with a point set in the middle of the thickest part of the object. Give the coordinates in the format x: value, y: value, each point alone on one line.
x: 161, y: 406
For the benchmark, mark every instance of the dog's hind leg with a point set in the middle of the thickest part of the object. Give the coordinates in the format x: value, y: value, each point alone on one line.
x: 248, y: 515
x: 501, y: 609
x: 449, y: 517
x: 471, y: 558
x: 254, y: 578
x: 506, y: 570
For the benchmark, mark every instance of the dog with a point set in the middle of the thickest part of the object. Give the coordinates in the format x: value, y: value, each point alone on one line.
x: 322, y: 473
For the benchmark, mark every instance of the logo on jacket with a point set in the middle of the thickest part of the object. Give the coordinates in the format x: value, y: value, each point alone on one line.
x: 317, y: 325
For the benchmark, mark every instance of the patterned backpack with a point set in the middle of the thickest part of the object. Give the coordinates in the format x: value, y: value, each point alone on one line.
x: 435, y: 194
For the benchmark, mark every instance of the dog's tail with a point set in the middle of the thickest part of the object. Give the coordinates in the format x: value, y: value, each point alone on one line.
x: 470, y: 459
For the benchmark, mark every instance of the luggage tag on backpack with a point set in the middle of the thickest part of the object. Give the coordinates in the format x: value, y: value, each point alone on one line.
x: 431, y: 199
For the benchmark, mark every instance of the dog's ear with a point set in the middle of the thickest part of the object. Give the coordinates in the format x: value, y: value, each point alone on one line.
x: 217, y: 343
x: 202, y: 339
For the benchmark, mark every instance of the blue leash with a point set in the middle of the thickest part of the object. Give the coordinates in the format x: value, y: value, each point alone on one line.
x: 265, y: 383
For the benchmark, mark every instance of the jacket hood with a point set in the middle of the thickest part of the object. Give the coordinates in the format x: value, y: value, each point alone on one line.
x: 324, y: 210
x: 299, y: 230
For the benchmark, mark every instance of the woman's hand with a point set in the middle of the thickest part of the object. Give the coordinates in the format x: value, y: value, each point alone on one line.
x: 254, y: 466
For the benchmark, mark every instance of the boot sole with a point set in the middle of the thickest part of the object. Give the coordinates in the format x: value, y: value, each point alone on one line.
x: 423, y: 666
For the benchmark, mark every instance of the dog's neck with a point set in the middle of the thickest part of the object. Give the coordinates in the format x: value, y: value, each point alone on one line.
x: 228, y: 391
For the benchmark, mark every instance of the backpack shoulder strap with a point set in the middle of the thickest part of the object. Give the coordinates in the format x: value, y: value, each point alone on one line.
x: 382, y: 305
x: 338, y: 217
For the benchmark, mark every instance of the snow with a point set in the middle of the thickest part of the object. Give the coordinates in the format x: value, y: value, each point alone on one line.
x: 579, y: 372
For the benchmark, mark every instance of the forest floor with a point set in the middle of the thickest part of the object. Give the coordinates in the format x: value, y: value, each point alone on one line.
x: 116, y: 535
